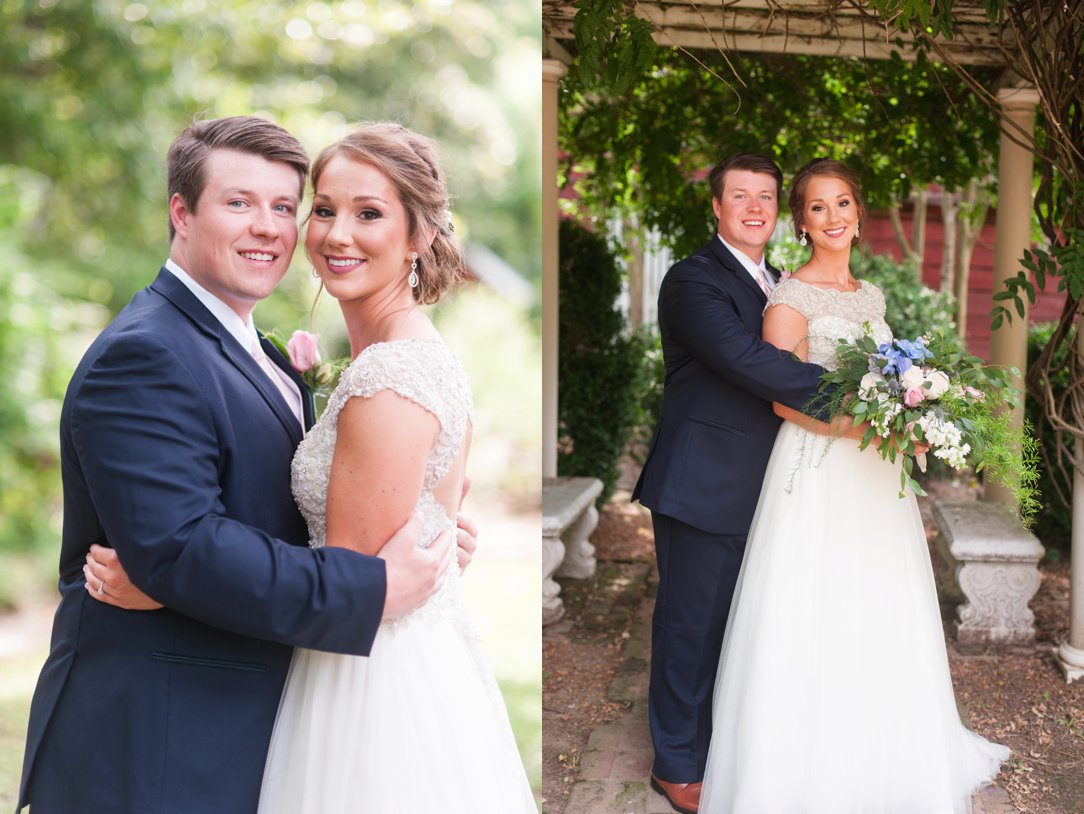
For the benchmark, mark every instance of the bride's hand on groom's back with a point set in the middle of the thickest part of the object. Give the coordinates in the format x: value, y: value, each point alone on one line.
x: 107, y: 581
x: 413, y: 573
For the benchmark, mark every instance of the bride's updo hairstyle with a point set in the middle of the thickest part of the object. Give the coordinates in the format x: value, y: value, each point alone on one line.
x: 410, y: 162
x: 823, y: 166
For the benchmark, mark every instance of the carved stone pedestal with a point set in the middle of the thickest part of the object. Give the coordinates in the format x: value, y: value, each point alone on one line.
x: 995, y: 560
x: 569, y: 517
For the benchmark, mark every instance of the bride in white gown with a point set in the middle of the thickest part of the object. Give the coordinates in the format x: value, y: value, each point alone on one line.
x: 834, y: 694
x: 420, y: 725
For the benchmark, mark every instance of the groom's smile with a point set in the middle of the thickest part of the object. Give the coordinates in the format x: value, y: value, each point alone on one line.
x: 259, y: 257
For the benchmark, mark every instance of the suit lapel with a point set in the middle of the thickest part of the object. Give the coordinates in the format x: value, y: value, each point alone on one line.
x: 184, y: 300
x: 275, y: 355
x: 733, y: 266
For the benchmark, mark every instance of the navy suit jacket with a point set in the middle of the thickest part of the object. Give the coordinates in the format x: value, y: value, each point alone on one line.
x: 717, y: 427
x: 175, y: 451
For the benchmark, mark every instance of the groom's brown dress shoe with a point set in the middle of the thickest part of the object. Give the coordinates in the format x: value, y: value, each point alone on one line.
x: 684, y: 797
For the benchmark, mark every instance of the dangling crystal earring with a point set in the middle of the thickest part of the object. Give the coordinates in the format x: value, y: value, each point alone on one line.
x: 856, y: 230
x: 412, y: 280
x: 802, y: 239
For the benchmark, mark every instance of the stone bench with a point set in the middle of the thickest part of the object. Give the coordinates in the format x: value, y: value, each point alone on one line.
x: 569, y: 517
x: 995, y: 563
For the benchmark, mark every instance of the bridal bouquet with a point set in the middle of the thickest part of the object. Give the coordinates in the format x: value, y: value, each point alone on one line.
x: 927, y: 391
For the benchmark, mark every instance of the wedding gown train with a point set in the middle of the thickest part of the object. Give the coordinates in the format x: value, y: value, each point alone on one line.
x: 833, y: 694
x: 419, y: 726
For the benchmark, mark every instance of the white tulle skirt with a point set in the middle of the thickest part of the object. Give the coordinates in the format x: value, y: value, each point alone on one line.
x: 418, y: 727
x: 833, y: 694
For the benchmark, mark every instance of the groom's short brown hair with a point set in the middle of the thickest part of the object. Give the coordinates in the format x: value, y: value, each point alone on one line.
x: 247, y: 134
x: 752, y: 162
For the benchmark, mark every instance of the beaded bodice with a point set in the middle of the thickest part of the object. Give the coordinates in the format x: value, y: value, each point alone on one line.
x: 834, y: 315
x: 426, y: 373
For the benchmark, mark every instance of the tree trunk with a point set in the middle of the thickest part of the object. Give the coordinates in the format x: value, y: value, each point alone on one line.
x: 950, y: 212
x: 918, y: 229
x: 897, y: 227
x: 970, y: 219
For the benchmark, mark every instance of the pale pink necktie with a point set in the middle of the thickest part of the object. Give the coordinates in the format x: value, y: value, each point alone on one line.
x: 762, y: 278
x: 288, y: 389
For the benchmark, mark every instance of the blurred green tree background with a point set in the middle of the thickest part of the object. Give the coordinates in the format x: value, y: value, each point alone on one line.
x: 92, y: 92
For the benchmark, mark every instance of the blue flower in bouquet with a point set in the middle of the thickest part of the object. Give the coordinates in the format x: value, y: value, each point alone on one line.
x: 888, y: 360
x: 915, y: 350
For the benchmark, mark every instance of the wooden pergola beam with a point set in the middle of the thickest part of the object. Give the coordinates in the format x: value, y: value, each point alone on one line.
x: 812, y: 27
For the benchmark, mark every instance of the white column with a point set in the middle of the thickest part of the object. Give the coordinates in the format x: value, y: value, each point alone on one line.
x: 552, y: 71
x: 1071, y: 652
x: 1009, y: 343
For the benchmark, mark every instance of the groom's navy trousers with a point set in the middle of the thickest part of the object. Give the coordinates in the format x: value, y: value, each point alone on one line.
x: 175, y: 451
x: 701, y: 481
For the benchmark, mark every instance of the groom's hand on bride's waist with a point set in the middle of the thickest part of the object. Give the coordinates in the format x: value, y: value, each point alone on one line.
x: 466, y: 532
x: 413, y: 573
x: 466, y: 540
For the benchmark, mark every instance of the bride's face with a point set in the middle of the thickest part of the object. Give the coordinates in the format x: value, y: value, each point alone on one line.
x: 358, y: 234
x: 830, y: 214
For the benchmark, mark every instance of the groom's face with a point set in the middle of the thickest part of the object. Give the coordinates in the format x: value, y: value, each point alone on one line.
x: 747, y: 210
x: 238, y: 240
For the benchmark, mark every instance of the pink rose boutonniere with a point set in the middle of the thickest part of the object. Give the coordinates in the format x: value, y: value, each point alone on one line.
x: 302, y: 349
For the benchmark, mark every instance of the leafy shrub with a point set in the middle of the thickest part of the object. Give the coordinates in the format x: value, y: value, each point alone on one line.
x: 649, y: 395
x: 601, y: 368
x: 1052, y: 524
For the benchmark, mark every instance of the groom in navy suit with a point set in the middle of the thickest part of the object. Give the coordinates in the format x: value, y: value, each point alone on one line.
x: 177, y: 433
x: 703, y: 473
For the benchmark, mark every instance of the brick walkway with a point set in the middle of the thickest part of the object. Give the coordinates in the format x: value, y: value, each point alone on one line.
x: 616, y: 763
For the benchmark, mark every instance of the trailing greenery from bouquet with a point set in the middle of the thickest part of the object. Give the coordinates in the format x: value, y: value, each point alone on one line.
x: 931, y: 392
x: 1053, y: 522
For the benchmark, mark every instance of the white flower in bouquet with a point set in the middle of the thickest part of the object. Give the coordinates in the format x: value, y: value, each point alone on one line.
x: 912, y: 378
x: 947, y: 440
x: 936, y: 384
x: 870, y: 385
